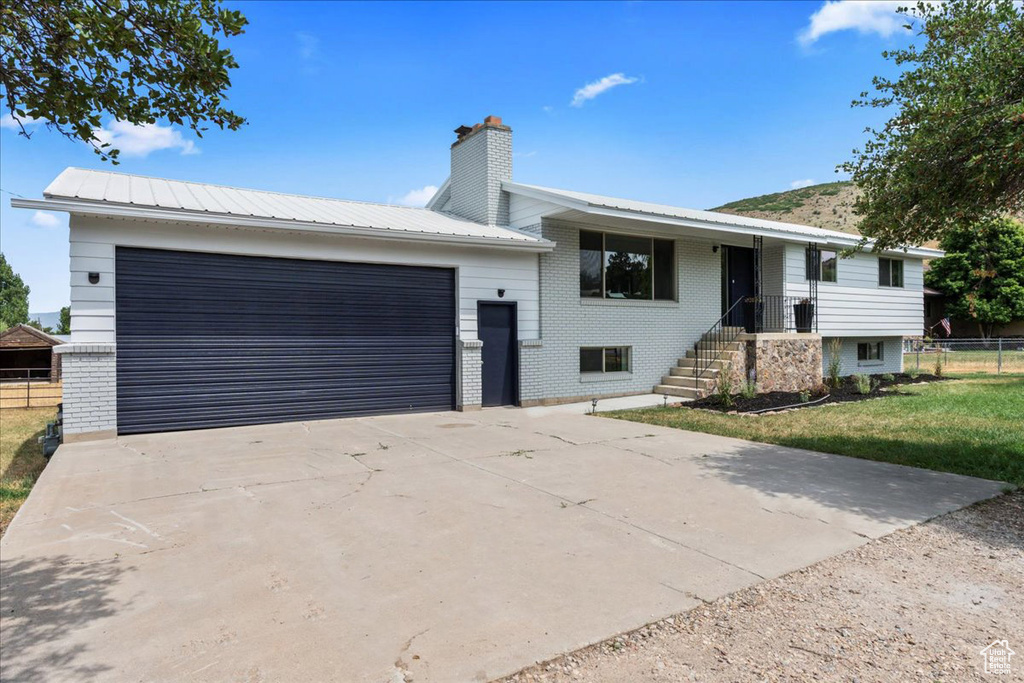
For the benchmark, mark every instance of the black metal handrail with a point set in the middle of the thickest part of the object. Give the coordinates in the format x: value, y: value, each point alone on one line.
x: 776, y: 313
x: 713, y: 342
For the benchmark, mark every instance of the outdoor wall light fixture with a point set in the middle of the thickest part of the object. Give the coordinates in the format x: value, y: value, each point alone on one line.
x: 501, y: 293
x: 714, y: 249
x: 94, y: 278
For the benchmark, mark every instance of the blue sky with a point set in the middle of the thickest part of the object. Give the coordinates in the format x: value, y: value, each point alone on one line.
x: 708, y: 102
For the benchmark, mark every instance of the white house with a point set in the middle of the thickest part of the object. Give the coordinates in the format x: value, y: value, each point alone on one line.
x: 197, y: 305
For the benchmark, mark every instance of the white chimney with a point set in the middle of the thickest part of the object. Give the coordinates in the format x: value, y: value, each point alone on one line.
x: 481, y: 159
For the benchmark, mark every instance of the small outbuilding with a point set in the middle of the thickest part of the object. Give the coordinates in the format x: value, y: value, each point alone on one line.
x: 27, y: 353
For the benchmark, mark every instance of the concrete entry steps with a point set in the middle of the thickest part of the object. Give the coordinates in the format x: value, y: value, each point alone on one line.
x: 683, y: 380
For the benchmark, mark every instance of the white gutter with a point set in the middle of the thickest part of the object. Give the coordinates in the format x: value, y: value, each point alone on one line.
x: 731, y: 228
x: 88, y: 208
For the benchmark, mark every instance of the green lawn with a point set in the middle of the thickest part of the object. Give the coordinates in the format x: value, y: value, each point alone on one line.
x: 972, y: 426
x: 21, y: 456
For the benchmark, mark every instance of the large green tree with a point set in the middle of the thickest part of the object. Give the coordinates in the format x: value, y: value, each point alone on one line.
x: 953, y: 152
x: 69, y: 63
x: 13, y: 296
x: 982, y: 273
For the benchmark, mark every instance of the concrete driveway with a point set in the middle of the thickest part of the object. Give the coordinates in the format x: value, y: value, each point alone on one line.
x: 440, y: 547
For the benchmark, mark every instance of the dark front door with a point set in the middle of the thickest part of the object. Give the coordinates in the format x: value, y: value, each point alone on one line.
x: 740, y: 285
x: 214, y: 340
x: 497, y: 330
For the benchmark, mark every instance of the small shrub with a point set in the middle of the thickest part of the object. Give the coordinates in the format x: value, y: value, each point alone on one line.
x: 889, y: 377
x: 805, y: 396
x: 912, y: 373
x: 835, y: 348
x: 938, y: 365
x: 862, y: 383
x: 725, y: 388
x: 820, y: 390
x: 748, y: 390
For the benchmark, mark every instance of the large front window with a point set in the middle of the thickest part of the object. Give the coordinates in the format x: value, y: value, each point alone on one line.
x: 626, y: 267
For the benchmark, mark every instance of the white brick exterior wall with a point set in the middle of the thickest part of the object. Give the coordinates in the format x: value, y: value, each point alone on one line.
x: 480, y: 161
x: 90, y: 387
x: 659, y: 332
x: 892, y: 356
x: 470, y: 375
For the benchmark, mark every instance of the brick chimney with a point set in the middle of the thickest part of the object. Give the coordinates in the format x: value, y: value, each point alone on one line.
x: 481, y: 159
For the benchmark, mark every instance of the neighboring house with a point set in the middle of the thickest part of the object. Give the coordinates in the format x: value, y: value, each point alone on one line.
x: 199, y: 305
x: 27, y: 353
x: 935, y: 311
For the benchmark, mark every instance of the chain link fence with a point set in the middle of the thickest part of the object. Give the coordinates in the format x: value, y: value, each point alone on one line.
x: 995, y: 355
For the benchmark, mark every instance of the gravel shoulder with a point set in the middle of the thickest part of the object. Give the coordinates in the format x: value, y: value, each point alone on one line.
x: 917, y: 605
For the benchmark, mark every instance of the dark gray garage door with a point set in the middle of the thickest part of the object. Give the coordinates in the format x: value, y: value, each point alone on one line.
x: 209, y: 340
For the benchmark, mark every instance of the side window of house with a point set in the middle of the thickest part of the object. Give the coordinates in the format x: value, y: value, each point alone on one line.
x: 826, y: 266
x: 626, y: 267
x: 890, y: 272
x: 867, y: 351
x: 604, y: 359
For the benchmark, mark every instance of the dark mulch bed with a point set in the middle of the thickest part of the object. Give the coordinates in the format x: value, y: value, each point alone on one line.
x: 847, y: 391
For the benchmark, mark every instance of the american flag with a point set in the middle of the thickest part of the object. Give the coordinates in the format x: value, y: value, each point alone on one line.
x: 945, y: 325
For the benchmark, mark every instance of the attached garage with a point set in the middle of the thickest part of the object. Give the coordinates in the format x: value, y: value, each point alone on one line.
x: 216, y: 340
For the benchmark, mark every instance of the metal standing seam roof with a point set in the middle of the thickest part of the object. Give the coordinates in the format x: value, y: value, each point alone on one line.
x: 664, y: 210
x: 190, y: 197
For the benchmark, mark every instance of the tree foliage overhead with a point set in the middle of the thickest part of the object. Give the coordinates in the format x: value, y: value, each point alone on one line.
x: 982, y: 273
x: 70, y: 62
x: 953, y: 152
x: 13, y: 296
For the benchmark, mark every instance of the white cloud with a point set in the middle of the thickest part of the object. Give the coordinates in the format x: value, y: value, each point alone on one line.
x: 865, y: 16
x: 7, y: 121
x: 309, y: 45
x: 418, y: 197
x: 141, y: 140
x: 797, y: 184
x: 592, y: 90
x: 525, y: 155
x: 45, y: 220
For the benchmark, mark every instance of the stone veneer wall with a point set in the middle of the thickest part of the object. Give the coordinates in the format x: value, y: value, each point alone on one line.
x: 785, y: 362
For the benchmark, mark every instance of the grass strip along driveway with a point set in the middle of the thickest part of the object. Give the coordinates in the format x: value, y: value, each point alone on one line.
x: 21, y: 456
x: 972, y: 426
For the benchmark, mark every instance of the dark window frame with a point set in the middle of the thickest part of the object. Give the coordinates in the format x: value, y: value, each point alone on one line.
x: 870, y: 351
x: 887, y: 276
x: 820, y: 265
x: 657, y: 251
x: 625, y: 360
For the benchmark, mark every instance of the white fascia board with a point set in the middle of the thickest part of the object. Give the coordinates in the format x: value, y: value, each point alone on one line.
x: 586, y: 207
x: 441, y: 191
x: 176, y: 215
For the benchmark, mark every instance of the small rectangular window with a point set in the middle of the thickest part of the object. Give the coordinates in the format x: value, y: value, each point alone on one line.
x: 890, y: 272
x: 869, y: 351
x: 826, y: 266
x: 604, y: 359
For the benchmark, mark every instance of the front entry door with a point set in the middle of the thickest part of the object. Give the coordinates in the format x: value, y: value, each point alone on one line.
x: 740, y: 285
x: 500, y: 372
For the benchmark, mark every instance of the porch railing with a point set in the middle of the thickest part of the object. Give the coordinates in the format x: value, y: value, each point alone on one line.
x: 776, y: 313
x: 718, y: 336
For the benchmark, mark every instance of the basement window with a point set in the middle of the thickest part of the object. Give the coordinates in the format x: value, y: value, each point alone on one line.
x: 604, y: 359
x: 869, y: 351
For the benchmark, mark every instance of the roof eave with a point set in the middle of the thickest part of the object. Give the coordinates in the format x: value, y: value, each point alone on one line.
x: 93, y: 208
x: 732, y: 228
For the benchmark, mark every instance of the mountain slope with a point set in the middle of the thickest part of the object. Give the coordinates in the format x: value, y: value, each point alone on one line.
x: 829, y: 206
